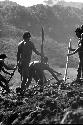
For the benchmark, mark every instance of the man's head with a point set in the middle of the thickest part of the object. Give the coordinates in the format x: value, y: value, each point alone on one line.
x: 78, y: 32
x: 3, y: 56
x: 26, y: 35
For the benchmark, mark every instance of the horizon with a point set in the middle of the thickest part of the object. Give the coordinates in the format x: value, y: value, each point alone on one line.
x: 28, y: 3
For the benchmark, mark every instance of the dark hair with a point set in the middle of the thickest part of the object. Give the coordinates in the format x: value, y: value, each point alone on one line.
x: 3, y: 56
x: 26, y: 35
x: 79, y: 31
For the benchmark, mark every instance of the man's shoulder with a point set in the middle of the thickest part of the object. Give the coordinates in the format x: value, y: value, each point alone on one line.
x: 31, y: 63
x: 1, y: 61
x: 36, y: 62
x: 20, y: 43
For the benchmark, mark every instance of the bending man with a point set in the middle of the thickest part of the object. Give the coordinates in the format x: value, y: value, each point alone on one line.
x: 36, y: 71
x: 3, y: 66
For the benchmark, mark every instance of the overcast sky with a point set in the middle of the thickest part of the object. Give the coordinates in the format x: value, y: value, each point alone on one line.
x: 27, y: 3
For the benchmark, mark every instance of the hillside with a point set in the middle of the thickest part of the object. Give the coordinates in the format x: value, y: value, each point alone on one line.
x: 50, y: 106
x: 59, y: 24
x: 78, y: 4
x: 58, y: 102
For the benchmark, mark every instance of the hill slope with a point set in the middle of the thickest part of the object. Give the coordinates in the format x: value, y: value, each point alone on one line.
x: 59, y: 24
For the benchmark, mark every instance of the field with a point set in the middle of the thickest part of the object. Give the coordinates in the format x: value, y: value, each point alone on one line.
x: 71, y: 74
x: 53, y: 105
x: 47, y: 107
x: 58, y: 102
x: 16, y: 79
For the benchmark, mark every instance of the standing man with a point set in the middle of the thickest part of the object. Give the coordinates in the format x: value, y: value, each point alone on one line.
x: 79, y: 50
x: 24, y: 54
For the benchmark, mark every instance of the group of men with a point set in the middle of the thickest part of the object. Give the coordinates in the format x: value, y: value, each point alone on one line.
x: 26, y: 68
x: 35, y: 69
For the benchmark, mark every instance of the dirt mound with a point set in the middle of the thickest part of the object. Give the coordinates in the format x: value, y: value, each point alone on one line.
x: 50, y: 106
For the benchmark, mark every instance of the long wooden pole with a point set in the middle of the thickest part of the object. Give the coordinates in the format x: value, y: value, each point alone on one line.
x: 65, y: 76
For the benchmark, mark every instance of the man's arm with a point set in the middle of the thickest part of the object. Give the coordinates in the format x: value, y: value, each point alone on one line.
x: 76, y: 50
x: 71, y: 49
x: 7, y: 67
x: 37, y: 52
x: 6, y: 71
x: 18, y: 53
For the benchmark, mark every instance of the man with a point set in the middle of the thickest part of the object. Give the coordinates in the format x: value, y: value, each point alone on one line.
x: 24, y: 54
x: 3, y: 66
x: 36, y: 71
x: 79, y: 50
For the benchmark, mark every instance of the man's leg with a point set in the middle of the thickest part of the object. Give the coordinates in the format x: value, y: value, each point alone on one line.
x: 41, y: 76
x: 20, y: 69
x: 31, y: 74
x: 23, y: 84
x: 29, y: 80
x: 79, y: 71
x: 25, y: 75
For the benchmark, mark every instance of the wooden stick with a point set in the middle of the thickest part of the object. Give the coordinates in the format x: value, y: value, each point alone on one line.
x: 42, y: 45
x: 65, y: 76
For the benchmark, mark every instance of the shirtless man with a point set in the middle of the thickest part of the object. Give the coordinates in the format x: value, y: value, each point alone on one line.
x: 36, y: 71
x: 24, y: 54
x: 79, y: 50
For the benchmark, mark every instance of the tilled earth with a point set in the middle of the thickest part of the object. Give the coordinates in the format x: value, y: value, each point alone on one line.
x: 54, y: 105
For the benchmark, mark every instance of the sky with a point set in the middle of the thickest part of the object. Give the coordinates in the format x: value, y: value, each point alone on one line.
x: 28, y: 3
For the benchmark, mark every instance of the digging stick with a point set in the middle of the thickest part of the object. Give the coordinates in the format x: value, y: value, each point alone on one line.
x: 65, y: 76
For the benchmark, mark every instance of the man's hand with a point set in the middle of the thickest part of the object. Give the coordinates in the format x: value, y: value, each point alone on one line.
x: 15, y: 68
x: 59, y: 74
x: 11, y: 74
x: 71, y: 49
x: 68, y: 54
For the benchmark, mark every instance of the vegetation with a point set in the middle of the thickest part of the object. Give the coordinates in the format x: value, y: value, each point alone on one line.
x: 52, y: 106
x: 59, y: 24
x: 55, y: 104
